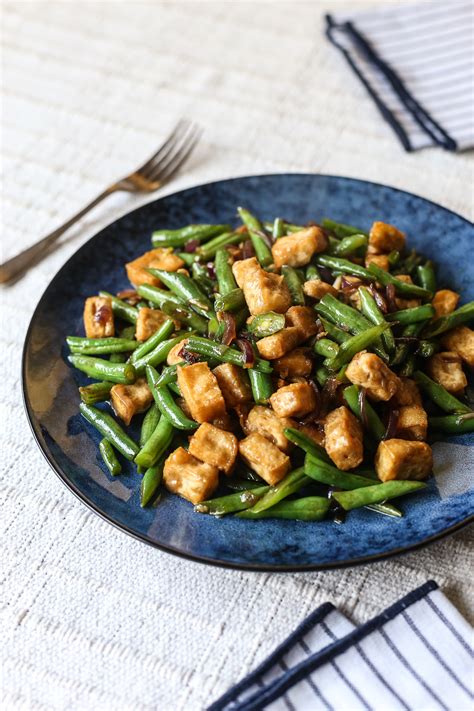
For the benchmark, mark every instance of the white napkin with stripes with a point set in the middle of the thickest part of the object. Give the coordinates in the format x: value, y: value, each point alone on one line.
x: 417, y: 655
x: 417, y: 64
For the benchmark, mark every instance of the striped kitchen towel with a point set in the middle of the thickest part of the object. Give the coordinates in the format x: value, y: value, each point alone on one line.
x: 417, y: 64
x: 417, y: 655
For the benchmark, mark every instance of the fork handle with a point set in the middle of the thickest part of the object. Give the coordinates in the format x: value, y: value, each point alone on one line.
x: 15, y: 267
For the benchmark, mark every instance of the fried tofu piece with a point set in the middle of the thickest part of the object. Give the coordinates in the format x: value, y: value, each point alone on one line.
x: 461, y: 341
x: 295, y: 364
x: 276, y: 345
x: 159, y: 258
x: 263, y: 291
x: 148, y: 322
x: 267, y: 423
x: 98, y: 317
x: 214, y: 446
x: 187, y: 476
x: 315, y: 433
x: 381, y: 260
x: 316, y: 289
x: 401, y: 459
x: 385, y: 238
x: 343, y: 438
x: 173, y: 357
x: 245, y: 269
x: 412, y: 422
x: 264, y: 458
x: 201, y: 391
x: 234, y: 384
x: 369, y: 371
x: 444, y: 302
x: 303, y: 318
x: 407, y: 393
x: 295, y: 400
x: 128, y: 400
x: 297, y: 249
x: 446, y: 369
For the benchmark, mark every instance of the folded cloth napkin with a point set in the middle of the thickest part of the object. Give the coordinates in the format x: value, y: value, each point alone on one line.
x: 417, y: 64
x: 416, y: 655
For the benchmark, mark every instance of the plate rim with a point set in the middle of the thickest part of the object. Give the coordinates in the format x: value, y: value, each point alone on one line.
x: 249, y: 567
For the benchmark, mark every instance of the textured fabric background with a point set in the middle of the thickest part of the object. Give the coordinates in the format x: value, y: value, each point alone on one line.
x: 92, y: 619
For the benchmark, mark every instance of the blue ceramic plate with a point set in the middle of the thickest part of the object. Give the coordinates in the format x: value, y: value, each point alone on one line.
x: 71, y: 446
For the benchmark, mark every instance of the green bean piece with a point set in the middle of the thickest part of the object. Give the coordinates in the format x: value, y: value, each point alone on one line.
x: 174, y: 387
x: 426, y: 349
x: 158, y: 354
x: 232, y: 301
x: 178, y: 238
x: 393, y: 257
x: 326, y: 348
x: 158, y: 296
x: 402, y: 350
x: 100, y: 369
x: 306, y: 444
x: 322, y: 375
x: 150, y: 483
x: 185, y: 316
x: 201, y: 276
x: 336, y: 333
x: 426, y: 276
x: 453, y: 424
x: 169, y: 374
x: 121, y: 309
x: 109, y: 457
x: 409, y: 366
x: 150, y: 421
x: 413, y: 315
x: 185, y: 289
x: 156, y: 445
x: 164, y: 332
x: 374, y: 423
x: 309, y: 508
x: 354, y: 345
x: 209, y: 250
x: 166, y: 404
x: 386, y: 509
x: 267, y: 324
x: 241, y: 485
x: 255, y: 229
x: 225, y: 277
x: 294, y: 285
x: 278, y: 229
x: 409, y: 265
x: 312, y: 273
x: 400, y: 286
x: 118, y: 358
x: 261, y: 384
x: 344, y: 266
x: 95, y: 392
x: 462, y: 315
x: 231, y: 503
x: 348, y: 318
x: 100, y: 346
x: 376, y: 494
x: 350, y: 244
x: 224, y: 354
x: 373, y: 313
x: 189, y: 258
x: 289, y: 228
x: 110, y: 429
x: 439, y: 395
x: 330, y: 475
x: 290, y: 484
x: 340, y: 229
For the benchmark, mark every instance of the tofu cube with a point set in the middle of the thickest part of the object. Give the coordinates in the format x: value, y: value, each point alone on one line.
x: 187, y: 476
x: 316, y: 289
x: 160, y: 258
x: 407, y: 393
x: 461, y: 341
x: 444, y: 302
x: 295, y: 400
x: 245, y: 269
x: 370, y: 372
x: 303, y: 318
x: 276, y: 345
x: 148, y: 322
x: 295, y: 364
x: 234, y: 384
x: 385, y: 238
x: 297, y: 249
x: 446, y: 369
x: 214, y: 446
x: 343, y: 438
x: 201, y: 392
x: 173, y: 357
x: 128, y: 400
x: 264, y: 458
x: 401, y: 459
x: 412, y: 423
x: 314, y: 432
x: 267, y: 423
x: 263, y: 291
x: 381, y: 260
x: 98, y: 317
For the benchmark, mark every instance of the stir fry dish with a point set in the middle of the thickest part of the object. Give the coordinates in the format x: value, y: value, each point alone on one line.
x: 277, y: 370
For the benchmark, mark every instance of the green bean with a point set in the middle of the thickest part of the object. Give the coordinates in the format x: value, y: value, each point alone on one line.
x: 439, y: 395
x: 233, y: 301
x: 306, y: 444
x: 189, y: 258
x: 185, y: 289
x: 118, y: 358
x: 337, y: 334
x: 354, y: 345
x: 241, y: 485
x: 413, y: 315
x: 426, y: 349
x: 100, y: 346
x: 103, y: 369
x: 255, y: 229
x: 446, y: 323
x: 386, y: 509
x: 372, y: 312
x: 232, y: 502
x: 426, y: 276
x: 224, y: 354
x: 290, y: 484
x: 174, y: 387
x: 344, y: 266
x: 166, y: 404
x: 150, y: 421
x: 289, y: 228
x: 340, y: 229
x: 453, y: 424
x: 267, y: 324
x: 409, y: 366
x: 225, y: 277
x: 121, y: 309
x: 150, y: 483
x: 322, y: 375
x: 409, y: 265
x: 376, y: 494
x: 158, y: 296
x: 109, y: 457
x: 347, y: 317
x: 330, y: 475
x: 178, y: 238
x: 157, y: 443
x: 325, y: 347
x: 278, y: 229
x: 185, y: 316
x: 201, y: 276
x: 261, y: 384
x: 208, y: 250
x: 309, y: 508
x: 294, y: 285
x: 374, y: 423
x: 164, y: 331
x: 350, y: 244
x: 393, y: 257
x: 95, y: 392
x: 158, y: 354
x: 110, y: 429
x: 169, y: 374
x: 402, y: 350
x: 312, y: 273
x: 400, y: 286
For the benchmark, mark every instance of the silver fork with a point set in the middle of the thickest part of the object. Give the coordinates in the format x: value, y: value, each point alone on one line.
x: 154, y: 173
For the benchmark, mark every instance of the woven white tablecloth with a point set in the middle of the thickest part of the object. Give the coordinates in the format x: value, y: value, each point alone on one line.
x: 92, y: 619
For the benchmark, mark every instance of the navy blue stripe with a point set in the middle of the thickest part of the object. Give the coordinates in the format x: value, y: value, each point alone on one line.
x: 308, y: 679
x: 303, y: 628
x: 409, y: 668
x: 450, y: 626
x: 288, y: 703
x: 301, y: 670
x: 435, y: 654
x: 379, y: 676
